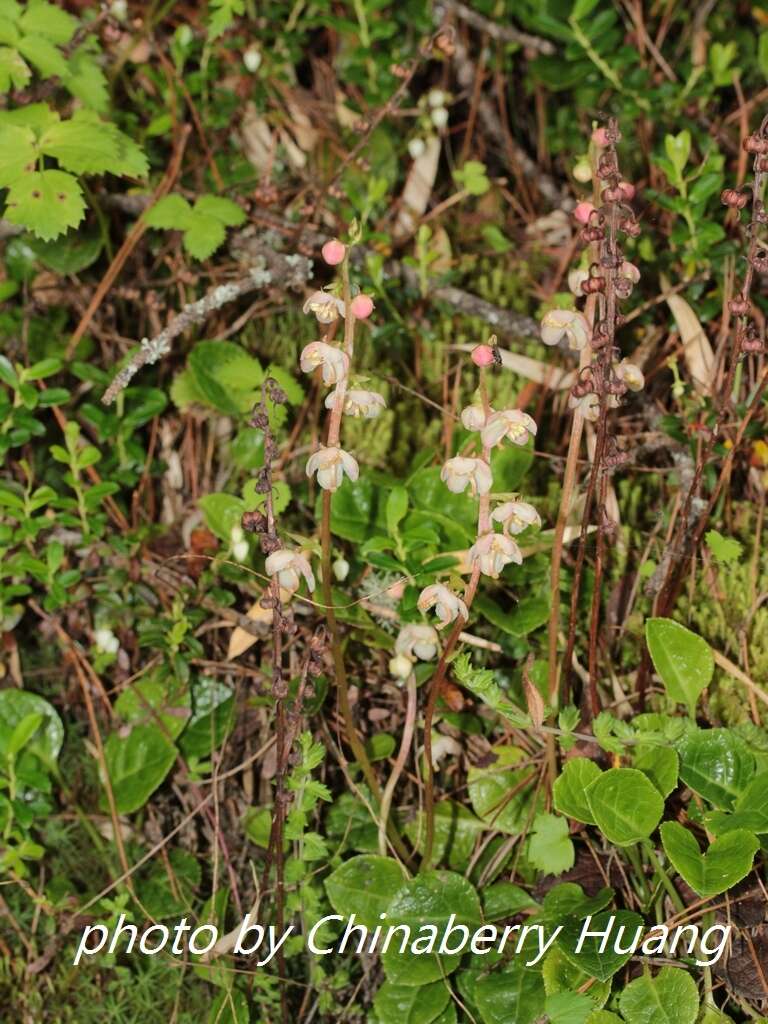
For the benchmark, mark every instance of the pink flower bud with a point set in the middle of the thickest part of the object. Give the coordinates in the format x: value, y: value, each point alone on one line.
x: 482, y: 355
x: 628, y: 189
x: 600, y: 137
x: 583, y: 212
x: 362, y: 307
x: 334, y: 252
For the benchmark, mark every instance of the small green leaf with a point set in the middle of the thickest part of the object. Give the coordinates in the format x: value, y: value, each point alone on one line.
x: 203, y: 236
x: 669, y: 998
x: 550, y: 848
x: 683, y: 660
x: 678, y: 148
x: 14, y: 71
x: 396, y: 509
x: 42, y: 53
x: 46, y: 202
x: 170, y: 212
x: 49, y: 20
x: 569, y: 790
x: 222, y: 209
x: 23, y: 733
x: 728, y: 859
x: 717, y: 765
x: 725, y: 549
x: 82, y: 145
x: 590, y: 959
x: 625, y: 804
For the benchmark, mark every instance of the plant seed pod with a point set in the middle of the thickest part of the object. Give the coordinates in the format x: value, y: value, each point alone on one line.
x: 733, y: 198
x: 740, y: 306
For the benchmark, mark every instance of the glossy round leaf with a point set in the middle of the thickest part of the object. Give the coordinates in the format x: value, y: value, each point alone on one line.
x: 625, y: 805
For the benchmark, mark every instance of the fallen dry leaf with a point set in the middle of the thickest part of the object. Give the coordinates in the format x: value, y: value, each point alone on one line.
x: 418, y: 188
x: 697, y: 351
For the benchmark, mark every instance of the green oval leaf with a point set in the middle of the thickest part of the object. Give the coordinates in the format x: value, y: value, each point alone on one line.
x: 717, y: 765
x: 364, y: 886
x: 137, y: 764
x: 683, y: 660
x: 625, y: 804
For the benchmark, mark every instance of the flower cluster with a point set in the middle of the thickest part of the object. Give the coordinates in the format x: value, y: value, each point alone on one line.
x: 610, y: 278
x: 748, y: 336
x: 330, y: 463
x: 492, y: 550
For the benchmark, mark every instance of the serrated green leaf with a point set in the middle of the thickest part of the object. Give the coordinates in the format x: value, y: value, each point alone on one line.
x: 224, y: 210
x: 725, y: 549
x: 203, y: 236
x: 82, y: 145
x: 44, y: 19
x: 17, y: 152
x: 717, y: 765
x: 43, y: 55
x: 86, y: 81
x: 46, y: 202
x: 172, y: 212
x: 14, y: 70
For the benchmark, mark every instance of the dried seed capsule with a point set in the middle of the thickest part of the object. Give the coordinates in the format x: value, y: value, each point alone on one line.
x: 254, y: 521
x: 740, y: 306
x: 733, y: 198
x: 756, y: 143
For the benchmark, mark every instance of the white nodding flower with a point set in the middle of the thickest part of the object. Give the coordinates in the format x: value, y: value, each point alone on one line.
x: 289, y: 566
x: 565, y: 323
x: 588, y: 406
x: 473, y: 417
x: 417, y: 640
x: 518, y: 426
x: 326, y: 308
x: 575, y: 279
x: 631, y: 375
x: 447, y: 605
x: 334, y: 362
x: 459, y: 472
x: 105, y: 640
x: 331, y: 464
x: 515, y: 516
x: 492, y: 551
x: 359, y: 402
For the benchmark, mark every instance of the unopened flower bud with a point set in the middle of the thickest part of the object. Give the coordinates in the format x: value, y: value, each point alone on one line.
x: 583, y: 211
x: 600, y: 137
x: 439, y: 117
x: 482, y: 355
x: 252, y: 59
x: 733, y: 198
x: 333, y: 252
x: 416, y: 147
x: 400, y: 666
x: 582, y: 170
x: 361, y: 306
x: 340, y: 569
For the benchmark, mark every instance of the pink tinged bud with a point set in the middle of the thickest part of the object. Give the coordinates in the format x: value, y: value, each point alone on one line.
x: 362, y: 307
x: 628, y: 189
x: 482, y: 355
x: 600, y: 137
x: 583, y: 211
x: 334, y: 252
